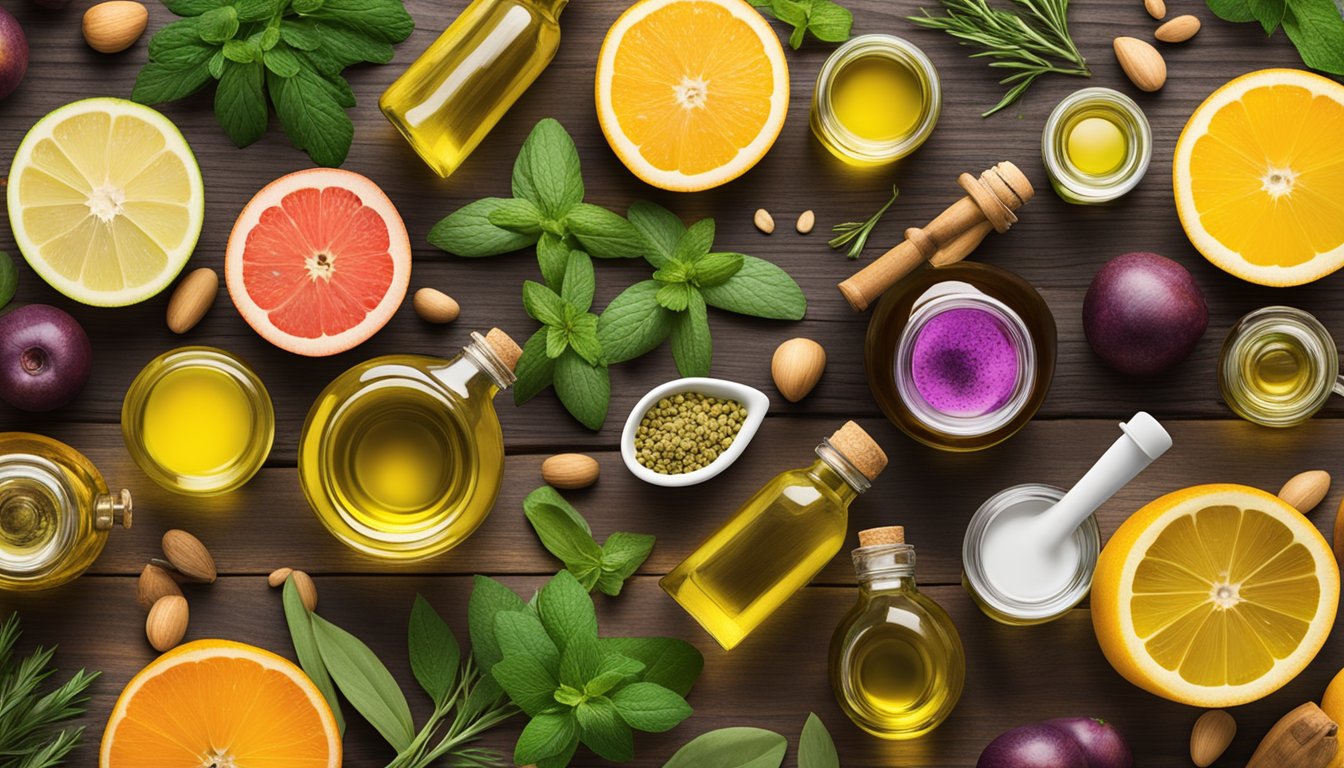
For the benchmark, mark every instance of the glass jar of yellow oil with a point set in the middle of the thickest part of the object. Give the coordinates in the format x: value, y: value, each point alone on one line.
x: 1278, y: 367
x: 1096, y: 145
x: 402, y: 456
x: 896, y: 663
x: 198, y: 421
x: 777, y: 541
x: 55, y: 512
x: 448, y: 99
x: 877, y: 100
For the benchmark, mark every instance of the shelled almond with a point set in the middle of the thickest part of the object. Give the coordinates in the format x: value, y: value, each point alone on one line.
x: 1142, y: 64
x: 806, y: 221
x: 764, y: 221
x: 570, y: 470
x: 189, y: 556
x: 166, y: 624
x: 279, y: 576
x: 1178, y: 30
x: 114, y: 26
x: 1156, y: 8
x: 307, y: 589
x: 435, y: 306
x: 192, y: 299
x: 1211, y: 736
x: 154, y: 583
x: 1306, y: 490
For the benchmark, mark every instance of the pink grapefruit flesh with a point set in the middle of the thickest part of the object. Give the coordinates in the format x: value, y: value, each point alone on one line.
x: 318, y: 261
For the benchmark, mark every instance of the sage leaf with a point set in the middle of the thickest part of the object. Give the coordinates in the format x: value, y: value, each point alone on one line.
x: 634, y: 323
x: 305, y: 647
x: 365, y: 683
x: 240, y: 102
x: 468, y: 231
x: 668, y: 661
x: 660, y: 229
x: 583, y: 388
x: 535, y: 370
x: 488, y: 599
x: 697, y: 241
x: 433, y: 649
x: 547, y: 170
x: 543, y: 304
x: 517, y: 215
x: 815, y: 747
x: 650, y: 707
x: 546, y: 495
x: 732, y: 748
x: 715, y: 268
x: 603, y: 234
x: 602, y: 730
x: 521, y: 633
x: 546, y: 735
x: 692, y: 348
x: 759, y: 289
x: 566, y: 610
x: 579, y: 282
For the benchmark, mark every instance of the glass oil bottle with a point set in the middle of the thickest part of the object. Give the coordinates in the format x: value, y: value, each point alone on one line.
x: 55, y: 512
x: 448, y: 99
x: 402, y: 456
x: 777, y: 541
x: 896, y: 662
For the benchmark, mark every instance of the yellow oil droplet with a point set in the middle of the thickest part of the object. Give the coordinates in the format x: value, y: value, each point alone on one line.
x: 197, y: 422
x: 1096, y: 146
x: 877, y: 98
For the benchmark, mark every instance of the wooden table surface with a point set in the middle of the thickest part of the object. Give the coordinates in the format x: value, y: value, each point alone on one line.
x: 1015, y: 675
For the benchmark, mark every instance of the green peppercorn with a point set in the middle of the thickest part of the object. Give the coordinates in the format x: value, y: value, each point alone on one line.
x: 687, y: 431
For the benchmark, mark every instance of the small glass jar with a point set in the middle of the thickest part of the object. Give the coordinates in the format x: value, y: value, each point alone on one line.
x: 1278, y: 367
x: 985, y: 576
x: 829, y: 104
x: 1083, y: 185
x: 198, y: 421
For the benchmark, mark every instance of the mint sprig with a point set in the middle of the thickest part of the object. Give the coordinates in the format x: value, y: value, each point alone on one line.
x: 565, y: 534
x: 828, y: 22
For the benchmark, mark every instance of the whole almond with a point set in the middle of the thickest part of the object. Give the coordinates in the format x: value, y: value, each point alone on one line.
x: 1155, y: 8
x: 764, y: 221
x: 114, y: 26
x: 806, y: 221
x: 796, y: 367
x: 192, y: 299
x: 189, y: 556
x: 278, y: 576
x: 1141, y: 62
x: 1178, y: 30
x: 167, y: 622
x: 153, y: 584
x: 570, y: 470
x: 307, y: 589
x: 1210, y: 737
x: 1304, y: 491
x: 435, y: 306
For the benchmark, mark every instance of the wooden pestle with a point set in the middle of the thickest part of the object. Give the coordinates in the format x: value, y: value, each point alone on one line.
x: 989, y: 204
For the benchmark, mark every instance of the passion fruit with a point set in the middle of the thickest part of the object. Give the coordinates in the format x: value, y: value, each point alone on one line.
x: 13, y: 53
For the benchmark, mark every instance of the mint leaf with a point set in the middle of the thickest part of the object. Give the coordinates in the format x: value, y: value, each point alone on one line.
x: 258, y: 10
x: 521, y: 633
x: 192, y: 7
x: 1317, y: 29
x: 829, y: 22
x: 603, y: 234
x: 660, y: 229
x: 732, y: 748
x: 674, y: 296
x: 603, y: 731
x: 612, y: 670
x: 548, y: 496
x: 543, y: 304
x: 468, y: 231
x: 179, y: 44
x: 157, y: 83
x: 365, y: 683
x: 557, y: 341
x: 567, y: 612
x: 544, y: 736
x: 1231, y: 10
x: 9, y: 279
x: 526, y: 681
x: 282, y: 61
x: 240, y: 51
x: 579, y: 281
x: 218, y: 24
x: 759, y: 289
x: 488, y: 599
x: 534, y: 371
x: 691, y: 346
x: 715, y: 268
x: 547, y: 170
x: 434, y: 652
x: 517, y: 215
x: 301, y: 33
x: 565, y: 539
x: 552, y: 258
x: 670, y: 662
x: 385, y: 20
x: 580, y: 662
x: 650, y: 707
x: 622, y: 554
x: 342, y: 46
x: 696, y: 242
x: 634, y: 323
x: 815, y: 747
x: 240, y: 102
x: 312, y: 116
x: 1269, y: 13
x: 583, y: 339
x: 584, y: 389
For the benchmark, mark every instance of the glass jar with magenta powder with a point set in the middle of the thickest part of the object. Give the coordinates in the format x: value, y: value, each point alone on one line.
x: 960, y: 357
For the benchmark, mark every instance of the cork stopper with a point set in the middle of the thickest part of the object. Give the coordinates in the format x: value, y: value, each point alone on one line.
x: 861, y: 450
x: 503, y: 347
x: 887, y: 534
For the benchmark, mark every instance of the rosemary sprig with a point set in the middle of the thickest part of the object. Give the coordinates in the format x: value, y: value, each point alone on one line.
x: 1029, y: 43
x: 28, y: 717
x: 855, y: 233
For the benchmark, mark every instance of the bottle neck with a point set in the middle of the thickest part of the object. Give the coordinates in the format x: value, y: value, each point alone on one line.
x: 837, y: 473
x: 885, y: 567
x: 483, y: 358
x: 551, y: 8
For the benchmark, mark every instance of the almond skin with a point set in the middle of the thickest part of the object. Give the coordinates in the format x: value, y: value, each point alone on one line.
x: 1306, y: 490
x: 796, y: 367
x: 1209, y: 738
x: 278, y: 576
x: 307, y: 589
x: 153, y: 584
x: 189, y: 556
x: 1141, y: 62
x: 1155, y: 8
x: 192, y: 299
x: 114, y: 26
x: 570, y: 470
x: 435, y: 306
x: 167, y: 622
x: 1178, y: 30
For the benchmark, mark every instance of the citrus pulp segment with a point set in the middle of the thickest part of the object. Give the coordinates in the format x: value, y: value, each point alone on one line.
x: 1214, y: 596
x: 105, y: 201
x: 691, y: 93
x: 1259, y: 177
x: 318, y: 261
x: 220, y: 703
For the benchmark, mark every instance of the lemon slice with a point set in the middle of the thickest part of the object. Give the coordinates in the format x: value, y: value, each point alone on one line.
x: 1214, y: 596
x: 106, y: 201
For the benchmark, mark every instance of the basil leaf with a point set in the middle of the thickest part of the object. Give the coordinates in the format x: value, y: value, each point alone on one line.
x: 815, y: 747
x: 521, y: 634
x: 385, y: 20
x: 696, y: 242
x: 603, y: 731
x: 1317, y: 29
x: 305, y: 647
x: 468, y: 231
x: 545, y: 736
x: 434, y: 651
x: 759, y: 289
x: 488, y: 599
x: 9, y: 279
x: 579, y: 282
x: 543, y: 304
x: 1231, y: 10
x: 715, y: 268
x: 566, y: 611
x: 622, y: 554
x: 282, y: 61
x: 517, y: 215
x: 218, y: 24
x: 676, y: 297
x: 660, y: 228
x: 692, y: 348
x: 672, y: 663
x: 603, y: 234
x: 365, y: 682
x: 240, y: 103
x: 312, y: 116
x: 634, y: 323
x: 157, y: 83
x: 563, y: 537
x: 829, y: 22
x: 547, y: 170
x: 534, y: 371
x: 1269, y: 13
x: 583, y: 339
x: 650, y: 707
x: 732, y: 748
x: 584, y: 389
x: 548, y: 496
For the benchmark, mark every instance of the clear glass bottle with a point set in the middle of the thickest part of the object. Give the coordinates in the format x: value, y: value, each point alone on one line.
x: 448, y: 99
x: 402, y: 456
x: 55, y: 512
x: 1096, y: 146
x: 896, y: 662
x: 777, y: 541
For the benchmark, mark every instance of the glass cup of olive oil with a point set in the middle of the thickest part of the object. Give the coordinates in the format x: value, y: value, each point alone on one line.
x: 1096, y: 145
x: 1278, y: 367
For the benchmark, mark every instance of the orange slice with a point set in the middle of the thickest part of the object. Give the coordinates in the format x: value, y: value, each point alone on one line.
x: 1259, y: 177
x: 691, y: 93
x: 216, y: 702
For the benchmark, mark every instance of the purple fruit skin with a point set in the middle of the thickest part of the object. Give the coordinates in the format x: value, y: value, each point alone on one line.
x: 1102, y: 744
x: 13, y: 53
x: 45, y: 358
x: 1033, y: 746
x: 1143, y: 314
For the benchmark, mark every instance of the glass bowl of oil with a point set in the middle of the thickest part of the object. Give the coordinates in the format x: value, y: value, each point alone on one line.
x: 1278, y: 367
x: 198, y: 421
x: 1096, y: 145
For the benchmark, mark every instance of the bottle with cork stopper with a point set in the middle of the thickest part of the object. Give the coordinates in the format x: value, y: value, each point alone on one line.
x: 402, y: 456
x: 896, y: 663
x: 778, y: 540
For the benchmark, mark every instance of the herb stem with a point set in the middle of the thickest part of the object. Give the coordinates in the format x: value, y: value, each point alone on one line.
x: 855, y: 233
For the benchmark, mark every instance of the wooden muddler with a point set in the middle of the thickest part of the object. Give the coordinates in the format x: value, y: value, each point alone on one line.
x: 989, y: 204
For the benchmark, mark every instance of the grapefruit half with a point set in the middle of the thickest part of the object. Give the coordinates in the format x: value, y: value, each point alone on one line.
x: 318, y: 261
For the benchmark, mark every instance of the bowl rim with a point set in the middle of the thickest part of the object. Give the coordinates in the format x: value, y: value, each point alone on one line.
x: 755, y: 401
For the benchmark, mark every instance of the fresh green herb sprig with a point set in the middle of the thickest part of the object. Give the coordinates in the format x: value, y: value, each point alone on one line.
x: 855, y: 233
x: 9, y: 279
x: 828, y: 22
x: 565, y: 352
x: 758, y: 748
x: 1030, y: 42
x: 1315, y: 27
x: 576, y: 687
x: 565, y: 534
x: 293, y: 51
x: 29, y: 716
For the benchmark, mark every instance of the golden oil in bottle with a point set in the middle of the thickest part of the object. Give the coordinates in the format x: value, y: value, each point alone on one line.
x: 402, y: 456
x: 1279, y: 366
x: 896, y: 664
x: 448, y: 99
x: 777, y: 541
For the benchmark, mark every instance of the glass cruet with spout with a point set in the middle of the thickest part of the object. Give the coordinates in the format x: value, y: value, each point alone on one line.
x: 55, y: 512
